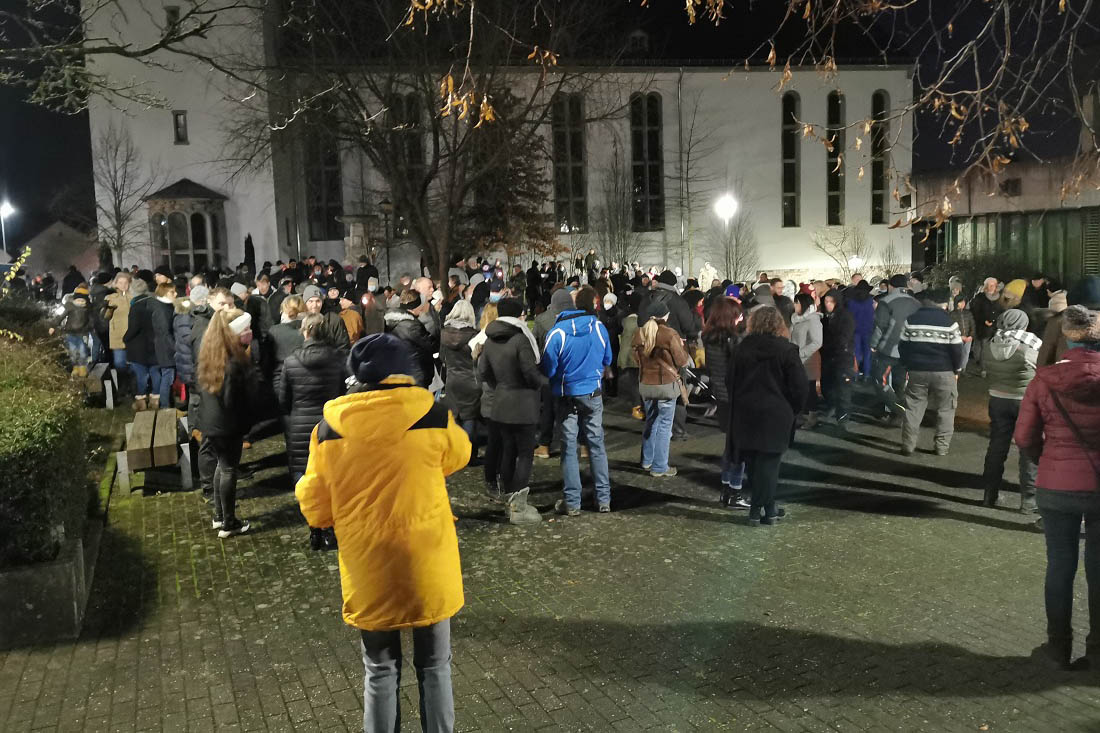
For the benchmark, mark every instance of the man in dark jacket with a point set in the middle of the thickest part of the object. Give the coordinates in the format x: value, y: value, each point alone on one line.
x: 931, y: 350
x: 890, y: 316
x: 534, y: 286
x: 71, y: 281
x: 407, y: 326
x: 680, y: 317
x: 560, y: 301
x: 987, y: 308
x: 838, y: 332
x: 782, y: 302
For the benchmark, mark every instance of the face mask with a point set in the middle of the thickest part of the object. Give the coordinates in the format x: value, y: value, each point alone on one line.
x: 246, y: 338
x: 495, y: 297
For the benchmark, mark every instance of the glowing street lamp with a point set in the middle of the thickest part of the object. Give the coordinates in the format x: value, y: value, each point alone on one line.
x: 6, y: 210
x: 855, y: 262
x: 725, y: 207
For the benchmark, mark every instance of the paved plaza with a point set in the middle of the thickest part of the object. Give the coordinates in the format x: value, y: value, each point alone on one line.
x: 889, y: 600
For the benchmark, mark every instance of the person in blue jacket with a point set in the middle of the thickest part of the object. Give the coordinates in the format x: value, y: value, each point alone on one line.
x: 576, y: 353
x: 858, y: 301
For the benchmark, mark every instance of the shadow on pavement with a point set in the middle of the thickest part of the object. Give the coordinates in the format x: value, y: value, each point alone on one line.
x: 122, y: 578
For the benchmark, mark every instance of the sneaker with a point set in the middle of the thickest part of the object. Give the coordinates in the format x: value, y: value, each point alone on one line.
x: 605, y: 508
x: 241, y: 528
x: 543, y: 451
x: 645, y: 467
x: 681, y: 437
x: 217, y: 524
x: 564, y: 509
x: 907, y: 451
x: 941, y: 451
x: 328, y: 536
x: 842, y: 422
x: 667, y: 473
x: 494, y: 493
x: 740, y: 502
x: 637, y: 413
x: 774, y: 519
x: 316, y: 539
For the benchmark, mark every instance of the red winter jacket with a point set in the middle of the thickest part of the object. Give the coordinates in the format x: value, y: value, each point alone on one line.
x: 1042, y: 432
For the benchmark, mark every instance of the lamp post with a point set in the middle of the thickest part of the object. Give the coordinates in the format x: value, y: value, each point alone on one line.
x: 6, y: 210
x: 386, y: 207
x: 726, y: 207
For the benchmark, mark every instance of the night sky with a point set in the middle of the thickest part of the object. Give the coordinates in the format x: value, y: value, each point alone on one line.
x: 43, y: 154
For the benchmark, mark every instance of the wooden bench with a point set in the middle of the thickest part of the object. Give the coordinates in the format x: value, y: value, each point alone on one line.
x: 102, y: 379
x: 152, y: 442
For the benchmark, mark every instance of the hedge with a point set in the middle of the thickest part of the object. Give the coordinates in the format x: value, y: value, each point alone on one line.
x: 45, y: 491
x: 974, y: 270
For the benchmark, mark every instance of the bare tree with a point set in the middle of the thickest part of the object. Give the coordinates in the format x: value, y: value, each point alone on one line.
x: 738, y: 245
x: 693, y: 178
x: 122, y: 180
x: 890, y: 261
x: 613, y: 234
x: 847, y: 246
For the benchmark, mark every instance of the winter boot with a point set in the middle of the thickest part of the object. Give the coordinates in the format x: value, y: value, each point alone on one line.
x: 75, y: 373
x: 1054, y: 654
x: 139, y: 403
x: 519, y: 511
x: 316, y: 539
x: 990, y: 497
x: 328, y: 535
x: 154, y: 402
x: 492, y: 490
x: 811, y: 421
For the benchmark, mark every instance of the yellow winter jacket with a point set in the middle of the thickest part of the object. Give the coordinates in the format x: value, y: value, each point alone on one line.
x: 376, y: 466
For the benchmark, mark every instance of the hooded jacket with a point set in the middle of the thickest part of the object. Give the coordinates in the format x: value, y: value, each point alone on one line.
x: 118, y: 315
x: 1042, y: 432
x: 1013, y: 353
x: 859, y: 303
x: 930, y: 342
x: 626, y: 355
x: 186, y: 359
x: 680, y: 316
x: 409, y: 329
x: 767, y: 387
x: 463, y: 393
x: 806, y: 333
x: 399, y: 561
x: 838, y: 335
x: 230, y: 413
x: 76, y: 317
x: 890, y: 316
x: 577, y: 350
x: 509, y: 366
x: 985, y: 309
x: 310, y: 377
x: 560, y: 301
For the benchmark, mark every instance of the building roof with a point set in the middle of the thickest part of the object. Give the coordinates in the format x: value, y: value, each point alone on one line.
x: 185, y: 188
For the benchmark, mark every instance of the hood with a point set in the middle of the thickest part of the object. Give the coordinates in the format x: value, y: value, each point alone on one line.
x: 1006, y: 342
x: 202, y: 311
x: 313, y: 354
x: 575, y: 321
x: 808, y: 315
x: 500, y: 331
x: 455, y: 338
x: 378, y: 414
x: 395, y: 316
x: 1076, y: 375
x: 836, y: 295
x: 858, y: 293
x: 1012, y: 319
x: 763, y: 347
x: 1058, y: 302
x: 560, y: 301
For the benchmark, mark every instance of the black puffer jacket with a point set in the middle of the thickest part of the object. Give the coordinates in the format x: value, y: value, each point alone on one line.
x: 463, y: 393
x: 412, y: 332
x: 185, y: 358
x: 148, y: 338
x: 200, y: 321
x: 310, y: 377
x: 767, y: 388
x: 837, y: 334
x: 507, y: 366
x: 680, y: 316
x: 229, y: 414
x: 719, y: 348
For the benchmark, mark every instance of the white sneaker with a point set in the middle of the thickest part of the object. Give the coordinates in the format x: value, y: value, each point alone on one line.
x: 240, y: 529
x: 218, y: 524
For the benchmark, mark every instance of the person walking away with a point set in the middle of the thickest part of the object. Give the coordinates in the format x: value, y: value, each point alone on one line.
x: 463, y: 392
x: 767, y: 386
x: 986, y: 307
x: 1086, y: 292
x: 628, y: 365
x: 509, y: 366
x: 227, y: 381
x: 577, y: 351
x: 353, y: 322
x: 858, y: 301
x: 1013, y: 353
x: 1059, y: 427
x: 807, y: 335
x: 140, y: 346
x: 399, y: 561
x: 611, y: 317
x: 560, y: 301
x: 182, y: 322
x: 660, y: 354
x: 310, y: 377
x: 887, y: 371
x: 406, y: 325
x: 76, y: 325
x: 286, y: 335
x: 117, y: 313
x: 964, y: 319
x: 163, y: 370
x: 931, y: 350
x: 837, y: 358
x: 373, y: 321
x: 721, y: 334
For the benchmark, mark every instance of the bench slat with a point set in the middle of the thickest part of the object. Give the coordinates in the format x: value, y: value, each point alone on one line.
x: 94, y: 380
x: 165, y: 446
x: 139, y: 454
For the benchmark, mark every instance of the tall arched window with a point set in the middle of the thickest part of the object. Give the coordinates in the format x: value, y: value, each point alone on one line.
x: 834, y: 160
x: 790, y: 143
x: 179, y: 242
x: 880, y: 155
x: 647, y: 162
x: 570, y: 186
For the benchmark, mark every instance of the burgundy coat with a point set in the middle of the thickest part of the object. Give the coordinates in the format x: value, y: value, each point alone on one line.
x: 1042, y: 432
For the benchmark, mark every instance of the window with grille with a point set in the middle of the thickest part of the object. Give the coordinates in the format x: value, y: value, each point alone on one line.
x: 790, y: 142
x: 880, y: 155
x: 834, y: 160
x: 647, y: 168
x: 323, y: 190
x: 570, y: 189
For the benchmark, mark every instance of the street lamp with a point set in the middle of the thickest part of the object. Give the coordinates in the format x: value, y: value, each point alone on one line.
x: 6, y: 210
x: 386, y: 207
x: 725, y: 207
x: 855, y: 262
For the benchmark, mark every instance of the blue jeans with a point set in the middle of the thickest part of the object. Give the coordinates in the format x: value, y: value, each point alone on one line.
x: 657, y: 434
x: 162, y: 383
x: 142, y: 378
x: 382, y: 678
x: 574, y: 414
x: 77, y: 345
x: 118, y: 359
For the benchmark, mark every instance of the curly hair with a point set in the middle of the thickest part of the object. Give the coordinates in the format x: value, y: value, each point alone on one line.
x: 219, y: 346
x: 768, y: 320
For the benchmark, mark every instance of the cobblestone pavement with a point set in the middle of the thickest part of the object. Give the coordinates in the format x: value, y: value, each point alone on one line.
x: 889, y: 600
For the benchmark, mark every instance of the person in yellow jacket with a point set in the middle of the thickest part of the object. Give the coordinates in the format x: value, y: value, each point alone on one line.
x: 376, y: 469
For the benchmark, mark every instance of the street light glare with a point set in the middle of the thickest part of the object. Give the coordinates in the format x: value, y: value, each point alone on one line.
x: 725, y: 207
x: 6, y: 210
x: 855, y: 262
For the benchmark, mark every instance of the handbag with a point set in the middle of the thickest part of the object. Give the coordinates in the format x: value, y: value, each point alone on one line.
x: 1076, y: 433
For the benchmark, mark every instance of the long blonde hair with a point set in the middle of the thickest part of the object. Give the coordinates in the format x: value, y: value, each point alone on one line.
x: 649, y: 335
x: 488, y: 315
x: 219, y: 346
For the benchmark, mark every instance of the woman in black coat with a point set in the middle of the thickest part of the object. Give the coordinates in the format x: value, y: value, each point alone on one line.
x: 767, y: 387
x: 149, y: 333
x: 310, y: 377
x: 720, y: 338
x: 837, y: 357
x: 463, y: 392
x: 509, y: 365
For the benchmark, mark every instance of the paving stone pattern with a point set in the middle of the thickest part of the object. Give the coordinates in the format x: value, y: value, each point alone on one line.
x: 889, y: 600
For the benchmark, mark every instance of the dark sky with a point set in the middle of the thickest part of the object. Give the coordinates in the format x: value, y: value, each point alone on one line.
x: 43, y: 153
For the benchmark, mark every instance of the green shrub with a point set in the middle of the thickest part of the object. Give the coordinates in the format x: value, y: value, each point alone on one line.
x: 975, y: 269
x: 25, y: 317
x: 45, y: 491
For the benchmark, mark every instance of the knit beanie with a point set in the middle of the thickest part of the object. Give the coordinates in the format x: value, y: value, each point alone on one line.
x: 509, y: 307
x: 668, y: 277
x: 656, y: 309
x: 899, y: 281
x: 239, y: 290
x: 1058, y: 302
x: 80, y: 290
x: 312, y: 291
x: 200, y: 294
x: 1080, y: 325
x: 164, y: 270
x: 240, y: 324
x: 377, y: 356
x: 1013, y: 319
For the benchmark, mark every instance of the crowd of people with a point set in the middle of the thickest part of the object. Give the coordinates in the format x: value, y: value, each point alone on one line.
x: 489, y: 366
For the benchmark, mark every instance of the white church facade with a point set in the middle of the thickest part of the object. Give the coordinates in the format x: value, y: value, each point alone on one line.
x: 685, y: 136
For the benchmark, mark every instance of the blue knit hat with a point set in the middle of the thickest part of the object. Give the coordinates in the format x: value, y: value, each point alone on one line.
x: 377, y: 356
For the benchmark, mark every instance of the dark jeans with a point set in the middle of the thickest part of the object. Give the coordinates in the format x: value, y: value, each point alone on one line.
x: 228, y: 454
x: 517, y: 455
x: 836, y: 388
x: 1002, y: 423
x: 208, y: 464
x: 546, y: 417
x: 811, y: 398
x: 763, y: 478
x: 628, y: 386
x: 1062, y: 527
x: 679, y: 421
x: 890, y: 386
x: 493, y: 449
